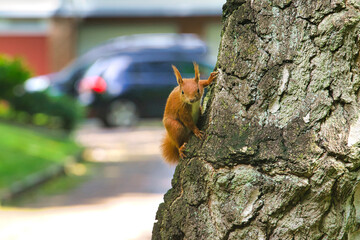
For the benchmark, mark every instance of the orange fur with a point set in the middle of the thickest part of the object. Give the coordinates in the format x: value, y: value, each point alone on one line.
x: 169, y: 151
x: 181, y: 113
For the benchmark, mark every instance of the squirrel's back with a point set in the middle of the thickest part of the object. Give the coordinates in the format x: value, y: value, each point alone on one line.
x: 173, y: 103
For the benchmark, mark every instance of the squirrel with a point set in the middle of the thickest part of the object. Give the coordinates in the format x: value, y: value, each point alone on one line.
x: 181, y: 114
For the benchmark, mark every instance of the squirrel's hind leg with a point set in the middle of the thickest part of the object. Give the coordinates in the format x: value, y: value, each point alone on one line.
x: 178, y: 133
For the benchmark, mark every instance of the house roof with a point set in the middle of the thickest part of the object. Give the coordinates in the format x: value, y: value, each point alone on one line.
x: 28, y: 9
x: 108, y: 8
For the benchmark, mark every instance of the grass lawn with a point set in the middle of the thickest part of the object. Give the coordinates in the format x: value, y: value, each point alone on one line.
x: 25, y: 151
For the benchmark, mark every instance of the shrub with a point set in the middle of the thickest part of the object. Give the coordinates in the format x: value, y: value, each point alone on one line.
x: 13, y: 73
x: 38, y: 108
x: 44, y: 109
x: 4, y: 108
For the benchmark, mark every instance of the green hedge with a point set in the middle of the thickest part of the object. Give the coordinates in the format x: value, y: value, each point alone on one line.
x: 39, y: 108
x: 13, y: 73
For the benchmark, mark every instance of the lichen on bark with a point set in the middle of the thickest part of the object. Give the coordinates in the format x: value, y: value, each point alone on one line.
x: 281, y: 156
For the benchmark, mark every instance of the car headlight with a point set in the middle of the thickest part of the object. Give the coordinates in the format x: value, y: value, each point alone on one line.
x: 37, y: 84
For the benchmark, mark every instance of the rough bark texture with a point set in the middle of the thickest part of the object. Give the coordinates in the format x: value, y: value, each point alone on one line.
x: 281, y: 158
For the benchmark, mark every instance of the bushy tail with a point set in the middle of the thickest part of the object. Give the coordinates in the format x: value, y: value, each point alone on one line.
x: 169, y: 151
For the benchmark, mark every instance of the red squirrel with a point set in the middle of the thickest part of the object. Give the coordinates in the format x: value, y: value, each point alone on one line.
x: 181, y: 114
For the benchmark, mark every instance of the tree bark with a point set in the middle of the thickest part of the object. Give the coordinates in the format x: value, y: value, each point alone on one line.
x: 281, y: 157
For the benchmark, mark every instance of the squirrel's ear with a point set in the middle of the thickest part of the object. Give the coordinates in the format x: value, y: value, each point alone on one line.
x: 177, y: 75
x: 197, y: 73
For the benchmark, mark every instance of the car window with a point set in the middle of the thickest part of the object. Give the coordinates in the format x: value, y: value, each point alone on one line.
x: 156, y: 67
x: 135, y: 67
x: 115, y: 74
x: 152, y: 73
x: 115, y: 69
x: 97, y: 68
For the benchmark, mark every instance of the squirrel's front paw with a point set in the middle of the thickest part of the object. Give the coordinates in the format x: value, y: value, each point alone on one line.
x: 199, y: 134
x: 214, y: 75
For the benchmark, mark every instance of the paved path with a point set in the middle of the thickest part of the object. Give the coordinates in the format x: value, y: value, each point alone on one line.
x: 118, y: 202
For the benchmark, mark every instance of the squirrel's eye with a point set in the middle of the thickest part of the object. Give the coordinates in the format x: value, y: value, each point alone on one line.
x: 198, y: 90
x: 182, y: 92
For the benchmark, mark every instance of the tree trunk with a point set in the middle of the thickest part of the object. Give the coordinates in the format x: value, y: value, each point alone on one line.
x: 281, y: 158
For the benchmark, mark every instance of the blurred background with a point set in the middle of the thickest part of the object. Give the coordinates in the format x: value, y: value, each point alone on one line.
x: 83, y: 86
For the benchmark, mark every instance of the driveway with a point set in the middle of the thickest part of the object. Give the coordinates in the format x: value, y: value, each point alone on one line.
x: 118, y: 201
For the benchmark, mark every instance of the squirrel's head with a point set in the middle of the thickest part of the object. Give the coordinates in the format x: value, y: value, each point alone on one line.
x: 190, y: 89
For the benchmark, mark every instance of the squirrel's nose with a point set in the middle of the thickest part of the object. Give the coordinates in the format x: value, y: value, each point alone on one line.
x: 193, y: 100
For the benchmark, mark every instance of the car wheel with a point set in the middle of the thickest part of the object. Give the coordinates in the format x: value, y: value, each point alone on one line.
x: 121, y: 113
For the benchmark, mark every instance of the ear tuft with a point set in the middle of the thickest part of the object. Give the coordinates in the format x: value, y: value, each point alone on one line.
x: 177, y: 75
x: 197, y: 73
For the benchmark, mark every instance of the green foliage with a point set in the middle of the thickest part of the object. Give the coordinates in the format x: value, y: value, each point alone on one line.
x: 4, y: 108
x: 38, y: 108
x: 13, y: 73
x: 44, y: 109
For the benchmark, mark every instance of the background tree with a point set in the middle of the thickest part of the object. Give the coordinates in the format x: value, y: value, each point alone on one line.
x: 281, y: 158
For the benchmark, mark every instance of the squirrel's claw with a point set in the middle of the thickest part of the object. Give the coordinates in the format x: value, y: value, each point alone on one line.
x: 181, y: 151
x: 214, y: 74
x: 199, y: 134
x: 182, y: 155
